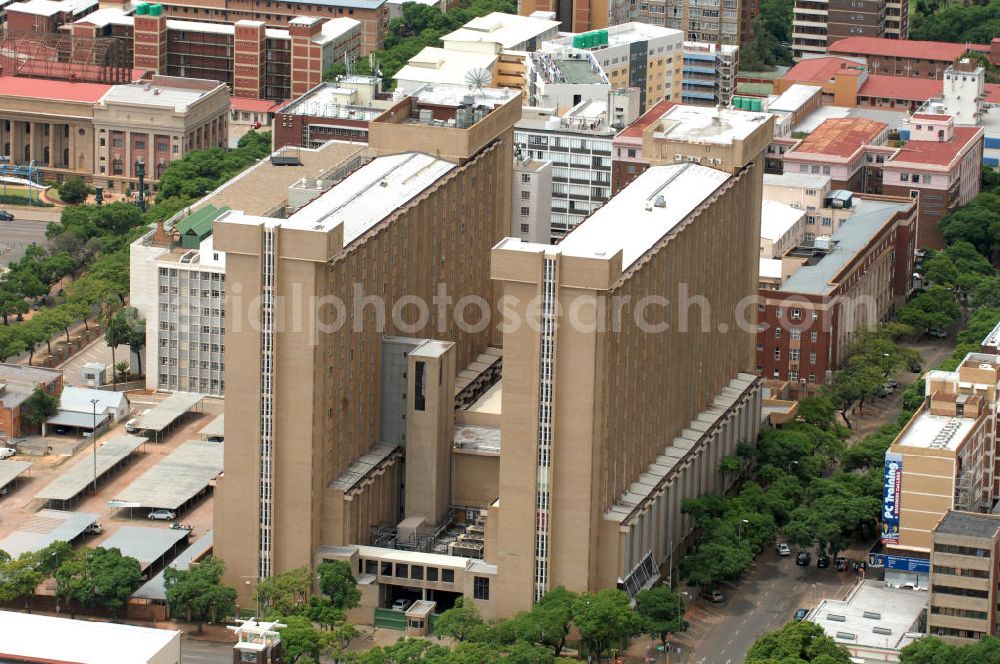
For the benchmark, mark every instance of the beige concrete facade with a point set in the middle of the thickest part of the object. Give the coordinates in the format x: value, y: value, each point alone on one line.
x: 313, y: 471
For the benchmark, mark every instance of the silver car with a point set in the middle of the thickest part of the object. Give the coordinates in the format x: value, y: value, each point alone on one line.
x: 162, y: 515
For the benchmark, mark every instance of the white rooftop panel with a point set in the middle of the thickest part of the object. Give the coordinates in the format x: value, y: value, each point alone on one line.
x: 371, y: 194
x: 79, y: 476
x: 936, y: 431
x: 145, y: 544
x: 706, y: 124
x: 776, y: 218
x: 794, y: 97
x: 38, y: 638
x: 625, y: 223
x: 10, y: 470
x: 770, y: 268
x: 163, y: 415
x: 897, y: 612
x: 165, y: 96
x: 44, y: 528
x: 175, y: 480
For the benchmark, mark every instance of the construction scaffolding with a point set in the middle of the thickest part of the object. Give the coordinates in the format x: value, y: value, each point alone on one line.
x: 66, y: 57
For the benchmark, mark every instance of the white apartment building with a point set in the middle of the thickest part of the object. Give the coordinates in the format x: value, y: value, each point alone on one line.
x: 633, y: 55
x: 531, y: 209
x: 578, y: 143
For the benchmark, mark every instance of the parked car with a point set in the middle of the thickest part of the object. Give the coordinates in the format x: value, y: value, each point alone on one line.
x: 841, y: 563
x: 7, y: 452
x: 94, y: 529
x: 800, y: 614
x: 162, y: 515
x: 130, y: 425
x: 937, y: 334
x: 784, y: 550
x: 822, y: 561
x: 62, y: 431
x: 915, y: 367
x: 401, y: 605
x: 803, y: 558
x: 6, y: 216
x: 892, y: 384
x: 215, y: 439
x: 713, y: 596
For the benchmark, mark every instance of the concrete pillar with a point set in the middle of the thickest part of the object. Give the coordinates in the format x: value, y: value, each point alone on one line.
x: 4, y: 138
x: 34, y: 142
x: 16, y: 141
x: 53, y: 129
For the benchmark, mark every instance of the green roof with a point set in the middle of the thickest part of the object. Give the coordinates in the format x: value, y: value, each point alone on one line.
x: 754, y: 88
x: 777, y: 73
x: 200, y: 223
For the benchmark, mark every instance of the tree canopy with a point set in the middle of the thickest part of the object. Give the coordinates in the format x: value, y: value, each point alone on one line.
x: 797, y: 642
x: 197, y: 594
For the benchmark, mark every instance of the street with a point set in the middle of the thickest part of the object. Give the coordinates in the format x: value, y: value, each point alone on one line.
x: 205, y: 652
x: 18, y: 235
x: 764, y: 601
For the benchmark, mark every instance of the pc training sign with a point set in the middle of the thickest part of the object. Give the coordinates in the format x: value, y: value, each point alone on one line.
x: 890, y: 497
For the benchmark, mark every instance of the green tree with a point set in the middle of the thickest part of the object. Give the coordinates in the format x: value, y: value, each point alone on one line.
x: 605, y: 620
x: 299, y: 639
x: 74, y: 191
x: 797, y: 642
x: 929, y: 650
x: 198, y: 593
x: 548, y: 621
x: 115, y: 331
x: 19, y: 578
x: 336, y: 581
x: 662, y: 612
x: 121, y: 368
x: 461, y: 622
x: 284, y: 594
x: 38, y: 408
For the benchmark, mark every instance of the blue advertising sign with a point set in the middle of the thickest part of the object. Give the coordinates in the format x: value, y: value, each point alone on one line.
x: 902, y: 563
x: 892, y: 485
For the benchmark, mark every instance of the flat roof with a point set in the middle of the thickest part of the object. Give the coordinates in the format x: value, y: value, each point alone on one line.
x: 328, y: 100
x: 145, y: 544
x: 147, y: 94
x: 367, y: 196
x: 840, y: 137
x: 508, y: 30
x: 155, y: 588
x: 37, y: 88
x: 942, y: 432
x: 970, y: 524
x: 38, y: 638
x: 797, y: 180
x: 259, y: 189
x: 897, y: 611
x: 216, y: 427
x: 11, y: 470
x: 770, y: 268
x: 44, y: 528
x: 794, y: 97
x: 477, y: 438
x: 849, y: 239
x: 160, y: 417
x: 335, y: 28
x: 992, y: 339
x: 50, y: 7
x: 705, y: 124
x: 74, y: 479
x: 76, y: 419
x: 175, y: 480
x: 416, y: 557
x: 776, y: 218
x: 437, y: 65
x: 624, y: 222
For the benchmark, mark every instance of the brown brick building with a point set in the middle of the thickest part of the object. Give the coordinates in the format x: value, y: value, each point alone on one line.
x: 17, y: 382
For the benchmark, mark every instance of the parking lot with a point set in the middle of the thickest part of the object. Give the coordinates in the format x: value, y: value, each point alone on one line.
x: 18, y: 235
x: 20, y: 504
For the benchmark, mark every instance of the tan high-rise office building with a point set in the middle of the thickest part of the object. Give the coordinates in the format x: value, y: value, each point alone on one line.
x: 308, y: 462
x: 620, y: 401
x: 411, y: 451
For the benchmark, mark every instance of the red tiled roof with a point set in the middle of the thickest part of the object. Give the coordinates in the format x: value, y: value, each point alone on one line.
x: 635, y: 129
x: 937, y: 153
x: 900, y: 87
x: 992, y: 93
x: 254, y: 105
x: 37, y: 88
x: 934, y: 117
x: 899, y: 48
x: 840, y: 137
x: 819, y: 70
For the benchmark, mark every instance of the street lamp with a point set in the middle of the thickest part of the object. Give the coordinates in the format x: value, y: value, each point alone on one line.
x: 739, y: 530
x: 93, y: 441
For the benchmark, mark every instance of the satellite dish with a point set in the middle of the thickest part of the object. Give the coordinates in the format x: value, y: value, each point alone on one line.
x: 478, y: 78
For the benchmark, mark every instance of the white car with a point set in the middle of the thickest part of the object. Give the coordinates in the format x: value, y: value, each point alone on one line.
x: 784, y: 550
x: 401, y: 605
x: 94, y: 529
x: 162, y: 515
x: 7, y: 452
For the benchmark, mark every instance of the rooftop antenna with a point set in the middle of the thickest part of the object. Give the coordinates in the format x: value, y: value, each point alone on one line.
x: 478, y: 78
